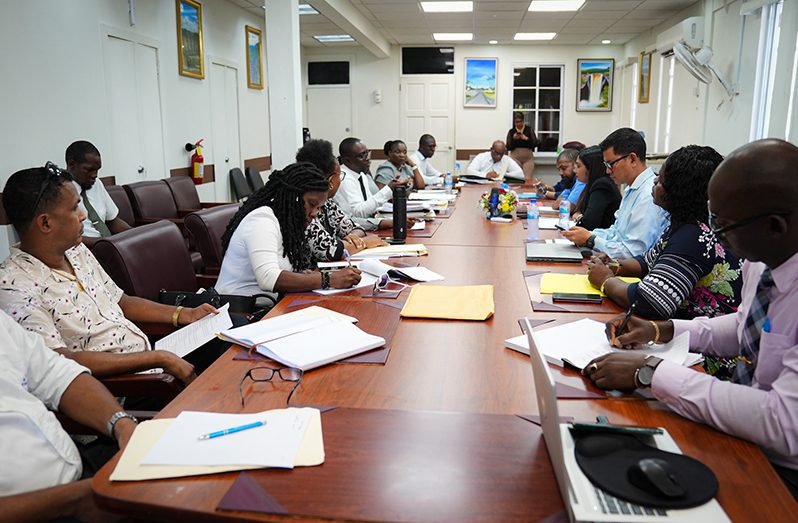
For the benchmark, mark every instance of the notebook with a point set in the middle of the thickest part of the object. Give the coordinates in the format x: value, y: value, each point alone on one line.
x: 548, y: 252
x: 377, y: 268
x: 552, y: 282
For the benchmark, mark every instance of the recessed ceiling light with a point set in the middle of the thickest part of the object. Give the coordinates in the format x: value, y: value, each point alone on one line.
x: 493, y: 42
x: 534, y: 36
x: 333, y: 38
x: 447, y: 7
x: 453, y: 36
x: 307, y: 9
x: 606, y: 42
x: 555, y: 5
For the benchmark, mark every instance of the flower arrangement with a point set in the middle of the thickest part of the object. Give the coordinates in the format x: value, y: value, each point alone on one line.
x: 508, y: 200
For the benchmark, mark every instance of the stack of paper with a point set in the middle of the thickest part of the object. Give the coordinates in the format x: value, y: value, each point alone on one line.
x: 552, y: 282
x: 408, y: 249
x: 284, y: 325
x: 378, y: 268
x: 434, y: 196
x: 549, y: 223
x: 474, y: 302
x: 387, y: 207
x: 580, y: 342
x: 183, y: 341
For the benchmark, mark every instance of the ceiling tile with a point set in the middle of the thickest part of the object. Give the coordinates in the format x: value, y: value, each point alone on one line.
x: 611, y: 5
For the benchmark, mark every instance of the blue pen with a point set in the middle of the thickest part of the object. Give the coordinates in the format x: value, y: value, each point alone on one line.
x: 225, y: 432
x: 346, y: 257
x: 766, y: 325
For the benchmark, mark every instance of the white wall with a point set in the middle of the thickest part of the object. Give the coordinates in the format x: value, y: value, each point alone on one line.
x: 53, y: 87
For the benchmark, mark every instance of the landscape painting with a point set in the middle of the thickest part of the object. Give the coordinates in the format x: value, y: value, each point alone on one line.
x: 480, y: 82
x: 595, y: 84
x: 189, y: 39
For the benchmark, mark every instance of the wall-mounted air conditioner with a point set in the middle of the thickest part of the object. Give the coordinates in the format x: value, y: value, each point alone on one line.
x: 689, y: 31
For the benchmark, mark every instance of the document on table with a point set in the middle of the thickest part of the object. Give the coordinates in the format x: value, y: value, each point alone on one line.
x: 549, y: 223
x: 377, y: 268
x: 193, y: 336
x: 432, y: 196
x: 469, y: 302
x: 366, y: 280
x: 283, y: 325
x: 552, y: 282
x: 408, y: 249
x: 275, y: 444
x: 418, y: 226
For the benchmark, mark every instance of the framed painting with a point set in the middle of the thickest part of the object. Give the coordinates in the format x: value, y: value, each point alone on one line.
x: 594, y: 85
x: 480, y: 82
x: 189, y: 39
x: 644, y: 78
x: 254, y: 38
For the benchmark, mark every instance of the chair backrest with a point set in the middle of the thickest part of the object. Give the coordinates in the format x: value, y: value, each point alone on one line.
x: 241, y: 188
x: 151, y: 200
x: 146, y: 259
x: 120, y: 198
x: 184, y: 192
x: 206, y: 227
x: 254, y: 178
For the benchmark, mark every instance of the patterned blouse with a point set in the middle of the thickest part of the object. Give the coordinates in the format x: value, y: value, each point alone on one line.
x: 326, y: 232
x: 687, y: 274
x: 79, y: 312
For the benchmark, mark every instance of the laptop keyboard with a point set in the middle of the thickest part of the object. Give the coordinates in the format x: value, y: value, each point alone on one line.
x: 612, y: 505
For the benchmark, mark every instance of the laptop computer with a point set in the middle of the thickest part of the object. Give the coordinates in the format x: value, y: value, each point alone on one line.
x: 553, y: 252
x: 583, y: 500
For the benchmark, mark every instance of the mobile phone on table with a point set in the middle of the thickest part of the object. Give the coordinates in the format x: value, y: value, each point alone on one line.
x: 576, y: 297
x: 559, y: 227
x: 592, y: 428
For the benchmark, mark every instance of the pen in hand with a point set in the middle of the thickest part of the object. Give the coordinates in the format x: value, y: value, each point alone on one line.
x: 346, y: 257
x: 626, y: 319
x: 225, y: 432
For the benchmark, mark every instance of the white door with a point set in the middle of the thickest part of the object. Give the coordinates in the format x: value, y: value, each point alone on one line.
x: 427, y: 107
x: 224, y: 144
x: 134, y: 103
x: 330, y: 113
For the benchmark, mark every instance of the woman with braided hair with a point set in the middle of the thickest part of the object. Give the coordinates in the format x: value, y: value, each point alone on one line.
x: 264, y: 245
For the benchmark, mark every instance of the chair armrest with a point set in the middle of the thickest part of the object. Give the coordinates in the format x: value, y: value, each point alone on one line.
x: 145, y: 221
x: 89, y: 241
x: 208, y: 205
x: 162, y: 385
x: 207, y: 280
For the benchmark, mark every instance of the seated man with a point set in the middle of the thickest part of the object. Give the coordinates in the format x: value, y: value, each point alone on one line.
x: 53, y: 285
x: 566, y: 166
x: 102, y: 215
x: 639, y: 222
x: 358, y: 195
x: 40, y: 463
x: 426, y: 149
x: 494, y: 164
x: 761, y: 401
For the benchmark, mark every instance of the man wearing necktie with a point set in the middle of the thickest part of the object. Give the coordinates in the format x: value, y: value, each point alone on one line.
x: 753, y: 208
x: 102, y: 215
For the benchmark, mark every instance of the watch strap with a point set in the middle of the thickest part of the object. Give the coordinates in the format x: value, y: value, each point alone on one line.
x: 115, y: 418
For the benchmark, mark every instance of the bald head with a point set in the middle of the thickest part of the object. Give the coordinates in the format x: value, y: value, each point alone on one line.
x: 498, y: 150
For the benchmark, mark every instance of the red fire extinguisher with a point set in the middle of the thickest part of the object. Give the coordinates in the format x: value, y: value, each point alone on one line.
x: 197, y: 162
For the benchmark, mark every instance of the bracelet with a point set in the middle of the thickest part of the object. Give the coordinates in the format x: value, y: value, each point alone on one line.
x: 656, y: 331
x: 325, y: 280
x: 605, y: 283
x: 111, y: 426
x: 176, y: 315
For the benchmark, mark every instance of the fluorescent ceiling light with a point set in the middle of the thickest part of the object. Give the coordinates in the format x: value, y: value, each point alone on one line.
x: 307, y: 9
x: 446, y: 50
x: 555, y: 5
x: 493, y: 42
x: 453, y: 36
x: 333, y: 38
x: 606, y: 42
x: 534, y: 36
x: 447, y: 7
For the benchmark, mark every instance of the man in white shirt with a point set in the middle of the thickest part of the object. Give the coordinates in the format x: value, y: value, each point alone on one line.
x: 494, y: 164
x: 102, y: 215
x: 426, y: 149
x: 40, y: 463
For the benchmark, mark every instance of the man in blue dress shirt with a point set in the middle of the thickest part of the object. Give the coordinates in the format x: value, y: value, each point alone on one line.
x: 639, y: 222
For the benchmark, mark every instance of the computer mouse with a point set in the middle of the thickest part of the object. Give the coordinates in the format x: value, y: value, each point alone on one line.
x: 656, y: 477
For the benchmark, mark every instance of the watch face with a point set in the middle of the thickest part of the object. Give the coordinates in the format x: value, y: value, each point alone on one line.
x: 644, y: 375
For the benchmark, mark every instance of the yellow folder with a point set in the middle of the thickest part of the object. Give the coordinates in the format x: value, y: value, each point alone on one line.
x: 552, y: 282
x: 473, y: 302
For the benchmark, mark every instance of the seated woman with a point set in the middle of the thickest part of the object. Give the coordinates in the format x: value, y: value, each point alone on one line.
x: 600, y: 198
x: 687, y: 273
x: 332, y: 231
x: 264, y: 246
x: 398, y: 166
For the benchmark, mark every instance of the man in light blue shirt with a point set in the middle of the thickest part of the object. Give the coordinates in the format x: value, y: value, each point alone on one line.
x: 572, y: 194
x: 639, y: 222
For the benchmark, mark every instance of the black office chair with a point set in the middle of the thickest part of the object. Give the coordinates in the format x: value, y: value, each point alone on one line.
x: 254, y: 178
x: 241, y: 188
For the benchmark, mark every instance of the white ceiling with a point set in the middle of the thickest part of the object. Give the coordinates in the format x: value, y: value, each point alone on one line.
x: 403, y: 22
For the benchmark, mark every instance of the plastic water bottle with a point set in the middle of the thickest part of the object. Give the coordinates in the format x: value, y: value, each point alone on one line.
x: 533, y: 221
x: 448, y: 183
x: 457, y: 168
x: 565, y: 214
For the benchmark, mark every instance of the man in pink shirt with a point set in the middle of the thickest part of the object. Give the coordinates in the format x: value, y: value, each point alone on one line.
x: 760, y: 403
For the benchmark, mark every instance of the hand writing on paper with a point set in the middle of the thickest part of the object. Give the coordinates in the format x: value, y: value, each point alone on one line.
x: 345, y: 278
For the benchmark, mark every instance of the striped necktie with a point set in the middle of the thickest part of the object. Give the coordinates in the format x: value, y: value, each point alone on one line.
x: 755, y: 322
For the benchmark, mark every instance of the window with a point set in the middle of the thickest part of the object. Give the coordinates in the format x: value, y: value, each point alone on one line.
x: 428, y: 60
x: 328, y: 73
x: 537, y: 93
x: 765, y: 69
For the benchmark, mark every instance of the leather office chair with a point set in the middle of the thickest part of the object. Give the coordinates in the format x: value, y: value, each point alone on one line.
x: 254, y: 178
x: 241, y: 188
x: 185, y: 195
x: 206, y: 227
x: 120, y: 198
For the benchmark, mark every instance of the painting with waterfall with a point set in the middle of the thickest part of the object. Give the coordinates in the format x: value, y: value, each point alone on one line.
x: 595, y: 84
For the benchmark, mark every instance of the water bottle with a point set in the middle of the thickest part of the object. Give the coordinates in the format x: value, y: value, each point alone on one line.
x: 533, y: 221
x: 565, y: 214
x: 493, y: 202
x: 448, y: 183
x: 457, y: 168
x: 399, y: 214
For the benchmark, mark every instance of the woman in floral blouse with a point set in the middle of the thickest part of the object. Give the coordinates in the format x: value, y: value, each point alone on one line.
x: 687, y: 273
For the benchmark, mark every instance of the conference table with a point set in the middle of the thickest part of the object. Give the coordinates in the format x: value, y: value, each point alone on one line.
x: 435, y: 433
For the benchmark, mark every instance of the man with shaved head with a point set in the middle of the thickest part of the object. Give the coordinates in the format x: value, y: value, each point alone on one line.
x: 494, y: 164
x: 760, y: 403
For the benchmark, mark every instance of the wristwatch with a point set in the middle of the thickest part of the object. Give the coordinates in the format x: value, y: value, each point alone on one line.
x: 591, y: 241
x: 115, y: 419
x: 645, y: 373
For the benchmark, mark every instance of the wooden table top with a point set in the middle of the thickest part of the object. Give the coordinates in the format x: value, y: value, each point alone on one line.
x: 444, y: 366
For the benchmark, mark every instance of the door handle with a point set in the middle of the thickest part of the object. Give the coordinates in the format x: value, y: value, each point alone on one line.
x: 227, y: 160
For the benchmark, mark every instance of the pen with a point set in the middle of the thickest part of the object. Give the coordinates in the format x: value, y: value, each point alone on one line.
x: 626, y: 319
x: 225, y: 432
x: 346, y: 257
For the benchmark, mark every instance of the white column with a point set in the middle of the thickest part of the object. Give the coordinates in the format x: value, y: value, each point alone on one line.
x: 284, y: 80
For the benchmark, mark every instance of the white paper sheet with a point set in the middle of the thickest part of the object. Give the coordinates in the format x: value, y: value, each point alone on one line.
x: 549, y: 223
x: 184, y: 341
x: 366, y: 280
x: 283, y: 325
x: 377, y: 269
x: 419, y: 226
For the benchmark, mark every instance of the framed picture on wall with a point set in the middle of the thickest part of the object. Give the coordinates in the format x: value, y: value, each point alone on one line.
x: 254, y: 38
x: 644, y: 79
x: 480, y: 82
x: 189, y: 39
x: 594, y: 84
